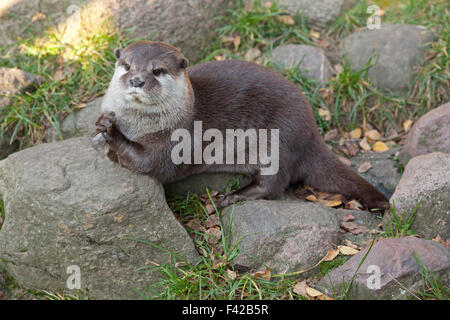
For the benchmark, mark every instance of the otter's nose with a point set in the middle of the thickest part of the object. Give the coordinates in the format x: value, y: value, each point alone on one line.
x: 137, y: 83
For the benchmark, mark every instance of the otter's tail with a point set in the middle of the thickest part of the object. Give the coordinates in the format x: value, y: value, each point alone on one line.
x: 325, y: 172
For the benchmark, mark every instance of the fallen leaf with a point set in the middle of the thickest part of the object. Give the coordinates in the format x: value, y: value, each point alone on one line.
x: 380, y: 146
x: 212, y: 221
x: 364, y: 167
x: 313, y: 293
x: 213, y: 235
x: 345, y: 161
x: 324, y: 44
x: 331, y: 254
x: 325, y: 114
x: 209, y: 208
x: 364, y: 144
x: 236, y: 42
x: 350, y: 244
x: 353, y: 205
x: 266, y: 274
x: 347, y: 251
x: 38, y: 16
x: 373, y: 135
x: 348, y: 217
x: 330, y: 203
x: 311, y: 198
x: 353, y: 228
x: 300, y: 288
x: 407, y: 125
x: 314, y: 34
x: 252, y: 54
x: 445, y: 243
x: 352, y: 148
x: 231, y: 274
x: 268, y: 4
x: 287, y: 20
x: 338, y: 68
x: 356, y: 133
x: 195, y: 225
x: 331, y: 135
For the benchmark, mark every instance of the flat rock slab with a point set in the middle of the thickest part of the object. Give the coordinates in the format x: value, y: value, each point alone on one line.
x: 398, y: 50
x: 384, y: 173
x: 393, y: 260
x: 426, y: 179
x: 431, y: 133
x: 284, y: 235
x: 67, y: 205
x: 310, y: 60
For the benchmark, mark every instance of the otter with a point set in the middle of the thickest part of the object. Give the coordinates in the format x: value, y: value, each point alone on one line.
x: 153, y: 93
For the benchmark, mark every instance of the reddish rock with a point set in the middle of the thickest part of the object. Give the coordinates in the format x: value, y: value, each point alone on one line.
x: 398, y: 269
x: 431, y: 133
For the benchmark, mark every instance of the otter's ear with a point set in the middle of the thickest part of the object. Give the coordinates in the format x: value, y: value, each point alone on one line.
x: 183, y: 63
x: 117, y: 52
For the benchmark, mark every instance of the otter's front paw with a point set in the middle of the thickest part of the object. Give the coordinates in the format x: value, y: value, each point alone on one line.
x: 106, y: 126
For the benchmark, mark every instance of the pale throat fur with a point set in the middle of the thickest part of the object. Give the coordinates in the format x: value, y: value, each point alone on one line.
x: 139, y: 113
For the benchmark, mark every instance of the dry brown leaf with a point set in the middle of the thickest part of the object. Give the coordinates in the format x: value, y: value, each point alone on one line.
x: 331, y: 135
x: 38, y: 16
x: 356, y: 133
x: 373, y: 135
x: 407, y: 125
x: 353, y: 205
x: 353, y: 228
x: 287, y: 20
x: 300, y: 288
x: 345, y: 161
x: 231, y: 274
x: 330, y: 203
x: 364, y: 144
x: 331, y: 254
x: 338, y: 68
x: 213, y: 235
x: 209, y: 208
x: 219, y: 58
x: 313, y: 293
x: 347, y: 251
x: 445, y: 243
x: 325, y: 114
x: 267, y: 4
x: 364, y: 167
x: 380, y: 146
x: 252, y: 54
x: 212, y: 221
x: 195, y: 225
x: 350, y: 244
x: 324, y: 44
x: 266, y: 274
x: 352, y: 148
x: 311, y: 198
x: 236, y: 42
x: 314, y: 34
x: 348, y: 217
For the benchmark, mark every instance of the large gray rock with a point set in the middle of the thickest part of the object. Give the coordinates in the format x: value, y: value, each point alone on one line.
x: 285, y: 235
x: 431, y: 133
x: 15, y: 81
x: 317, y: 13
x: 185, y: 24
x: 384, y: 173
x: 67, y: 205
x: 307, y: 58
x: 398, y: 269
x: 399, y: 49
x: 79, y: 124
x: 426, y: 178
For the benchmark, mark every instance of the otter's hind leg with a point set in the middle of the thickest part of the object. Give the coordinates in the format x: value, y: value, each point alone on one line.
x: 261, y: 187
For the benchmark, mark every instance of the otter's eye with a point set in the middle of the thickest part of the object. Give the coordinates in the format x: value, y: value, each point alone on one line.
x: 126, y: 66
x: 157, y: 72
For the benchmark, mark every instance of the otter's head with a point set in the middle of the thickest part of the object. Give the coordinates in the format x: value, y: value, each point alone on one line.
x: 152, y: 74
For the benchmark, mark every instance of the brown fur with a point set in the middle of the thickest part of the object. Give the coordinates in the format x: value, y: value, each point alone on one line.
x: 235, y: 94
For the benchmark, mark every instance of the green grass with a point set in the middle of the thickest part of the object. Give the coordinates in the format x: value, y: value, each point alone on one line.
x: 400, y: 225
x: 74, y: 74
x: 432, y: 287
